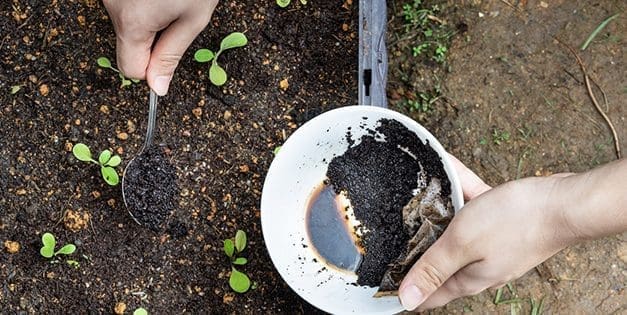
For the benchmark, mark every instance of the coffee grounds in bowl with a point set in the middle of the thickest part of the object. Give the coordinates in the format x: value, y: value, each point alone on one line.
x: 380, y: 178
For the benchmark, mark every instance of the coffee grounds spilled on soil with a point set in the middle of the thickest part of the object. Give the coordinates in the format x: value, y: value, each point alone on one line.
x: 380, y: 177
x: 150, y: 188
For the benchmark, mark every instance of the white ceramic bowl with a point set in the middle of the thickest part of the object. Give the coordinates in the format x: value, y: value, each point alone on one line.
x: 298, y: 168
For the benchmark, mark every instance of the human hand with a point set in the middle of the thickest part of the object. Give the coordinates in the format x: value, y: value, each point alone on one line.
x: 136, y: 23
x: 497, y: 237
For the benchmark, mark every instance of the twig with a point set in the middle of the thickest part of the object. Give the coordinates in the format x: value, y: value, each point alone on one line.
x: 597, y: 30
x: 593, y: 98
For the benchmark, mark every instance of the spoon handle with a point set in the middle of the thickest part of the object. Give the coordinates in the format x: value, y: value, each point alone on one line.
x: 152, y: 117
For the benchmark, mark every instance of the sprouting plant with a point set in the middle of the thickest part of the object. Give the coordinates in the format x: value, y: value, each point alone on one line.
x: 285, y: 3
x: 431, y: 35
x: 238, y: 280
x: 499, y: 136
x: 217, y: 75
x: 15, y: 89
x: 106, y: 161
x: 276, y: 150
x: 140, y: 311
x: 104, y: 62
x: 49, y: 243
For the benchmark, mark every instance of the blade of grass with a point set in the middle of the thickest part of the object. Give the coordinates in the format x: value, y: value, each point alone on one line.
x: 597, y: 30
x: 497, y: 298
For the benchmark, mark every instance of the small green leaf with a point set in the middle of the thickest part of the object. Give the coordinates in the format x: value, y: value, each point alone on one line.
x: 283, y: 3
x: 204, y: 55
x: 239, y: 281
x: 135, y: 80
x: 104, y: 157
x: 104, y: 62
x: 125, y: 82
x: 15, y: 89
x: 217, y: 75
x: 81, y: 152
x: 304, y: 2
x: 110, y: 175
x: 140, y: 311
x: 48, y: 241
x: 66, y: 249
x: 114, y: 161
x: 240, y: 240
x: 229, y: 248
x: 276, y: 150
x: 240, y: 261
x: 73, y: 263
x: 233, y: 40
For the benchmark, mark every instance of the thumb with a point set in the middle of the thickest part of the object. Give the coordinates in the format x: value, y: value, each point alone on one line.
x: 472, y: 185
x: 435, y: 266
x: 168, y: 51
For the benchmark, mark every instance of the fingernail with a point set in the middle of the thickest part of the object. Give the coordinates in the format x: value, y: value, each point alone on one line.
x: 410, y: 297
x: 161, y: 85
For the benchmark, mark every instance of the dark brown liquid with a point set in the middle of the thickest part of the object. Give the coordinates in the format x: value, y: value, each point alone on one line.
x: 328, y: 229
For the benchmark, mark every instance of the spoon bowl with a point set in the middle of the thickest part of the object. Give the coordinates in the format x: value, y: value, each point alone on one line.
x: 152, y: 117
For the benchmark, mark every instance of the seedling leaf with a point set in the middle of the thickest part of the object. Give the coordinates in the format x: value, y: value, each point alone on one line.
x: 283, y: 3
x: 276, y: 150
x: 125, y: 82
x: 104, y: 62
x: 233, y: 40
x: 240, y: 240
x: 114, y: 161
x: 110, y: 175
x: 135, y: 80
x: 66, y: 249
x: 240, y: 261
x: 81, y: 152
x: 204, y: 55
x: 140, y: 311
x: 229, y: 248
x: 217, y: 75
x: 104, y: 157
x: 239, y: 281
x: 48, y: 241
x: 15, y: 89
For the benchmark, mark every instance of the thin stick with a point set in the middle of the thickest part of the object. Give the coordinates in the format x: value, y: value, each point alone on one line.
x: 593, y: 98
x: 597, y: 30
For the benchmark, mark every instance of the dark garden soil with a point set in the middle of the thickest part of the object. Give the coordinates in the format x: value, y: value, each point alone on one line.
x: 149, y: 188
x: 504, y: 73
x: 379, y: 178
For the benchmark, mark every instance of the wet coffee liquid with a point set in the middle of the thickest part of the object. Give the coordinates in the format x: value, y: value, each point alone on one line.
x: 329, y: 231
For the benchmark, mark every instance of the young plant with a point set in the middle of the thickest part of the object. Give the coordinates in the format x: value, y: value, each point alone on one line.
x: 499, y: 136
x: 106, y: 161
x: 140, y: 311
x: 104, y: 62
x: 285, y: 3
x: 238, y: 280
x: 49, y: 243
x: 217, y: 75
x: 431, y: 35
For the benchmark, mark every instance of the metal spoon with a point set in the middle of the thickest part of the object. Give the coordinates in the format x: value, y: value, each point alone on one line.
x: 152, y: 117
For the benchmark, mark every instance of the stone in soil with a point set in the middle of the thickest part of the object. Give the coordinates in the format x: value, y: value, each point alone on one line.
x: 380, y: 178
x: 150, y: 188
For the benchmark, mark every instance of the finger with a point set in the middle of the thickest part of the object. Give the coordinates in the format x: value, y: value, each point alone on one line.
x: 430, y: 272
x: 169, y: 49
x: 563, y: 174
x: 459, y: 285
x: 133, y: 53
x: 472, y: 185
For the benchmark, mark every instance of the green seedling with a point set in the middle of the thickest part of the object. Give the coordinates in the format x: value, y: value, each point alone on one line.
x: 15, y: 89
x: 499, y: 136
x: 431, y: 35
x: 285, y: 3
x: 276, y: 150
x: 49, y: 243
x: 140, y: 311
x: 106, y: 161
x: 238, y: 280
x: 104, y: 62
x: 73, y: 263
x: 217, y: 75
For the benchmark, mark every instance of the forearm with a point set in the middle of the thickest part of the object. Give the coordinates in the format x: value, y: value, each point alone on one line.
x: 594, y: 204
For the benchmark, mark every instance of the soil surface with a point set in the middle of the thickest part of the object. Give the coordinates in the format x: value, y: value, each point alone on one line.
x: 380, y: 178
x: 504, y: 73
x: 150, y: 188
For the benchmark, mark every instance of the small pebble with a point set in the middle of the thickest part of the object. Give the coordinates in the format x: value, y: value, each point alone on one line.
x: 119, y: 308
x: 12, y: 247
